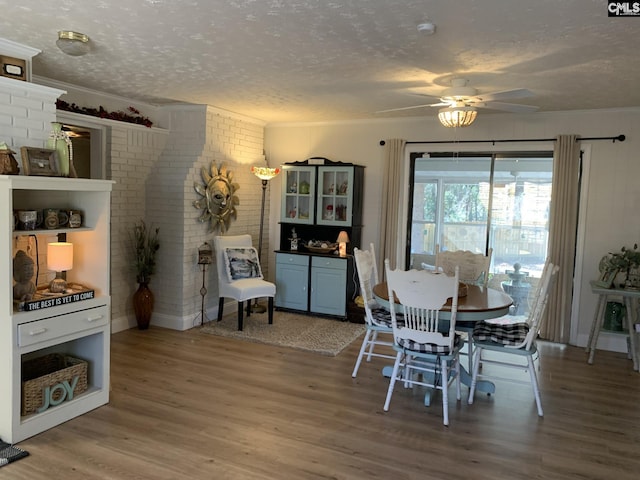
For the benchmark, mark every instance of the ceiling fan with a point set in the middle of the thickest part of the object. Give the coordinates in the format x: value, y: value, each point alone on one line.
x: 461, y: 103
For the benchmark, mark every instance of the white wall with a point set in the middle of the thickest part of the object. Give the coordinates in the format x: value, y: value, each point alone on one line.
x: 612, y: 216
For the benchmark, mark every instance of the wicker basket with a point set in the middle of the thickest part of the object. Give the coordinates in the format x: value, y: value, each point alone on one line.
x: 48, y: 371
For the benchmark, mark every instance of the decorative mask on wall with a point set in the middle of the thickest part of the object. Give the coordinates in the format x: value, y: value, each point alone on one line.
x: 218, y: 197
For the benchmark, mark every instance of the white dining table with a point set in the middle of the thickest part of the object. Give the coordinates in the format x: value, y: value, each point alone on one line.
x: 480, y: 303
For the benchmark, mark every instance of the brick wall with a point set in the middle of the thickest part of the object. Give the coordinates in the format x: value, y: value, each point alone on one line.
x: 26, y: 113
x: 199, y: 136
x: 154, y: 172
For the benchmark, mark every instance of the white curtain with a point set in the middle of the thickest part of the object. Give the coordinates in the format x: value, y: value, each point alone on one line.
x: 388, y: 242
x: 562, y: 236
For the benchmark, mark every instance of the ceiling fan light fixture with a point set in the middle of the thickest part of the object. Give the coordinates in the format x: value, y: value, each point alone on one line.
x: 457, y: 116
x: 73, y: 43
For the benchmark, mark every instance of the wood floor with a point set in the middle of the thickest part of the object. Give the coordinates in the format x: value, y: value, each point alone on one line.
x: 186, y: 405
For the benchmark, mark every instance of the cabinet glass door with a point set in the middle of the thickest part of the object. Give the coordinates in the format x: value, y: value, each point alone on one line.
x: 335, y: 196
x: 298, y: 194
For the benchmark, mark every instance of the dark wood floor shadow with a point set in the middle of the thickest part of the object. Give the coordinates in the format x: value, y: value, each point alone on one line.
x: 186, y: 405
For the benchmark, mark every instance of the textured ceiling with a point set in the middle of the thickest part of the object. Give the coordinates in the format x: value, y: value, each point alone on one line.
x: 319, y: 60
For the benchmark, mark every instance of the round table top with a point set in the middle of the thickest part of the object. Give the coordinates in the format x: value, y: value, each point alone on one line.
x: 480, y: 303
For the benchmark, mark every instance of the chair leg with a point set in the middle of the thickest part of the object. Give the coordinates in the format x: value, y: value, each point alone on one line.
x: 457, y: 367
x: 372, y: 340
x: 220, y: 307
x: 248, y: 308
x: 240, y: 309
x: 365, y: 342
x: 445, y: 391
x: 270, y: 310
x: 534, y: 384
x: 392, y: 382
x: 474, y: 374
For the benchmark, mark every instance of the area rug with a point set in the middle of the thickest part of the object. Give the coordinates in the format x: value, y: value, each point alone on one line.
x: 312, y: 334
x: 9, y: 453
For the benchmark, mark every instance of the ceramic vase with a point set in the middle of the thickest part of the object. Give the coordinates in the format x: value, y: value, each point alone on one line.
x: 143, y: 305
x: 59, y: 141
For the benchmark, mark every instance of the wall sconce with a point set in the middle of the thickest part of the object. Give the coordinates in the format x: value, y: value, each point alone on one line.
x: 59, y: 259
x: 73, y: 43
x: 343, y: 239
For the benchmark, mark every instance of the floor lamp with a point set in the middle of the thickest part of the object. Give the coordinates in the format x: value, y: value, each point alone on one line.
x: 265, y: 174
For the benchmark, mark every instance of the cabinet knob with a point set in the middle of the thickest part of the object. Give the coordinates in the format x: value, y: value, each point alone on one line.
x: 39, y: 331
x: 94, y: 319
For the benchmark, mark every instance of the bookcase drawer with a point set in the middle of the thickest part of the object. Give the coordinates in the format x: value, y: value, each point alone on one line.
x: 59, y: 326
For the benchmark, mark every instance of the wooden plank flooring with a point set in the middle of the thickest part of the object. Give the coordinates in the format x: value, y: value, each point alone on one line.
x: 187, y: 405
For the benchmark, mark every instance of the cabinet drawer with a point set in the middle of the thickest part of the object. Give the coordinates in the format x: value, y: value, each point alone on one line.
x: 328, y: 262
x: 54, y: 327
x: 291, y: 259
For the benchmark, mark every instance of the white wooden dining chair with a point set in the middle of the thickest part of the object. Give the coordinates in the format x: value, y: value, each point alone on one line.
x: 427, y: 347
x: 513, y: 342
x: 377, y: 318
x: 474, y: 267
x: 240, y: 275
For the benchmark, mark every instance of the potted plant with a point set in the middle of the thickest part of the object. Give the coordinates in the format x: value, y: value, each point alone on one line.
x: 627, y: 260
x: 145, y: 246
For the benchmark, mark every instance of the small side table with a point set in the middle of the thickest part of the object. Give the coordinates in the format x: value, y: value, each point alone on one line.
x: 630, y: 299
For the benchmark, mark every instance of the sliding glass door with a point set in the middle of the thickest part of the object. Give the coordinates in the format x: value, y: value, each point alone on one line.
x: 475, y: 201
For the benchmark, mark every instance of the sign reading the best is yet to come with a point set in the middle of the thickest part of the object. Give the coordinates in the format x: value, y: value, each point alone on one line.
x: 53, y: 301
x: 623, y: 9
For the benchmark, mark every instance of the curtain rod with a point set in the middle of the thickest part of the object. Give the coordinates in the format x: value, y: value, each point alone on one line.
x: 620, y: 138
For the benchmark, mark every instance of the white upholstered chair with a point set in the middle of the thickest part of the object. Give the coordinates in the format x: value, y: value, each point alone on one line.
x: 427, y: 347
x: 377, y: 318
x: 513, y: 342
x: 240, y: 275
x: 474, y: 267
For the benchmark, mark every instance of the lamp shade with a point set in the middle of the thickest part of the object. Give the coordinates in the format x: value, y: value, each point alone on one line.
x: 343, y: 239
x: 265, y: 173
x: 457, y: 116
x: 60, y: 256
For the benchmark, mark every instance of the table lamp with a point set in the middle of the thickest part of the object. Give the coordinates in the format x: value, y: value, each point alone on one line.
x: 59, y: 259
x: 343, y: 239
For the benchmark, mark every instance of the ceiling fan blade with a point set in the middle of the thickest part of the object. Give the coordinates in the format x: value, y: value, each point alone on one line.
x: 506, y: 107
x: 505, y: 95
x: 404, y: 108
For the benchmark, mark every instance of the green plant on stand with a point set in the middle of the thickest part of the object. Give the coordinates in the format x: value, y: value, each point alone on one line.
x: 627, y: 260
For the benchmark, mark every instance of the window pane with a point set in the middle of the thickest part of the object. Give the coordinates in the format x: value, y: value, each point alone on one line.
x: 423, y: 224
x: 465, y: 216
x: 520, y: 213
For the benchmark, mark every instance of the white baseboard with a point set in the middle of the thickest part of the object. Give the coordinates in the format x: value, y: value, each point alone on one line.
x: 168, y: 321
x: 612, y: 342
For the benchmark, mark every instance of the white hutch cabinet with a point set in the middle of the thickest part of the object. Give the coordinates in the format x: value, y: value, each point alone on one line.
x: 319, y: 200
x: 80, y: 329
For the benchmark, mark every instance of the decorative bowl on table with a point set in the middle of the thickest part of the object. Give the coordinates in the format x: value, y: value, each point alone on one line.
x: 321, y: 247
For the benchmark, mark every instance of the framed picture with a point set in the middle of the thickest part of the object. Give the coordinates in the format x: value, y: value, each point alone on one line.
x: 40, y: 161
x: 15, y: 68
x: 606, y: 278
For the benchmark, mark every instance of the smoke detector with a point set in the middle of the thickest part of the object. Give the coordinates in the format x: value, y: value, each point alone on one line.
x: 427, y: 28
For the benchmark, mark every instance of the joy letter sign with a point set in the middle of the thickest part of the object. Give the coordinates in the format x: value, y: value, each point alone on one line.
x: 52, y: 396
